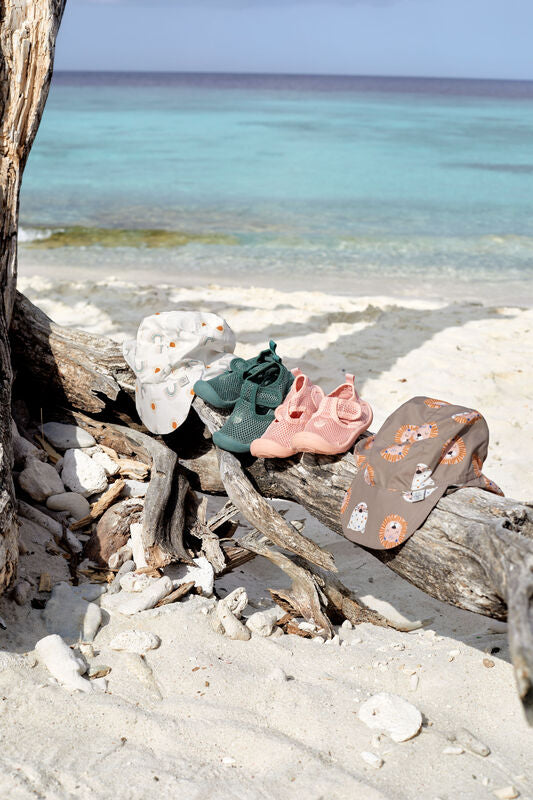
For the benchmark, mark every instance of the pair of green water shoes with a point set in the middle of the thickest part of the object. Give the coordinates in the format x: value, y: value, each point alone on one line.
x: 254, y: 389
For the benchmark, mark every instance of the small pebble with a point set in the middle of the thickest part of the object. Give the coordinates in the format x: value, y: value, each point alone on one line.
x: 135, y: 582
x: 110, y: 466
x: 278, y: 675
x: 470, y: 742
x: 310, y: 627
x: 452, y: 655
x: 63, y: 436
x: 506, y: 793
x: 98, y: 671
x: 22, y: 592
x: 489, y: 663
x: 347, y: 625
x: 371, y: 759
x: 318, y: 640
x: 114, y: 586
x: 133, y: 488
x: 413, y: 682
x: 77, y: 505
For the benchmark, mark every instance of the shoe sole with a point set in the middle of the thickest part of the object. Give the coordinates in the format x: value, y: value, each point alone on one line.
x: 227, y: 443
x: 268, y: 449
x: 206, y: 392
x: 312, y: 443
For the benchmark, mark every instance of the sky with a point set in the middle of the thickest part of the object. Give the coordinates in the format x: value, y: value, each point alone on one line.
x: 442, y: 38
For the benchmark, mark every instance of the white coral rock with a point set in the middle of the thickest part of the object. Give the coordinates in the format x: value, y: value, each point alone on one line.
x: 148, y: 598
x: 262, y: 622
x: 110, y: 466
x: 391, y: 714
x: 134, y: 641
x: 227, y: 612
x: 61, y: 663
x: 83, y: 475
x: 133, y: 582
x: 202, y: 573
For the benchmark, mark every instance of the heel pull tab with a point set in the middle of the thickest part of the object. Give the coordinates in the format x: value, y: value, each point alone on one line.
x: 272, y: 344
x: 350, y: 379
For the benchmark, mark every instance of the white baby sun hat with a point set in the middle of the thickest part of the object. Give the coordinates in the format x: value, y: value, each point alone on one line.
x: 172, y: 351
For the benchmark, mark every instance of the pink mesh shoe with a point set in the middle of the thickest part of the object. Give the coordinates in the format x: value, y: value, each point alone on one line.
x: 341, y: 417
x: 292, y: 416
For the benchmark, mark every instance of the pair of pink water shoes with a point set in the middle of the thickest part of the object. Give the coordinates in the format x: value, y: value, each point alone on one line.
x: 308, y: 421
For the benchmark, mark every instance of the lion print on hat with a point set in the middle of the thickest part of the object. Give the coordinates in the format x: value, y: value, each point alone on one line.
x: 454, y: 451
x: 415, y: 433
x: 395, y: 452
x: 392, y: 530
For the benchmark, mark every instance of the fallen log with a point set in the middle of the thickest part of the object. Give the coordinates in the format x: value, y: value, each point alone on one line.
x: 474, y: 551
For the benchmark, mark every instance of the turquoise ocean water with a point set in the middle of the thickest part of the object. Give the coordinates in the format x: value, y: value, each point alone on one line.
x: 313, y: 181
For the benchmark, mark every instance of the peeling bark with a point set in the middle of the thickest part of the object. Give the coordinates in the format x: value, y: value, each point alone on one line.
x: 27, y: 39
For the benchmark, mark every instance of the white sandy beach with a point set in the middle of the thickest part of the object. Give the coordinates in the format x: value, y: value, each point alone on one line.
x: 228, y: 729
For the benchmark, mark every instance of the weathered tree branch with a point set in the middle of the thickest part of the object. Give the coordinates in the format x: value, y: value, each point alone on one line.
x: 27, y: 40
x: 313, y: 592
x: 83, y: 371
x: 254, y: 507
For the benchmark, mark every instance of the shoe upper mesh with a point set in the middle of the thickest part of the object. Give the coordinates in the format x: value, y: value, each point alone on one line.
x: 304, y: 401
x: 254, y: 410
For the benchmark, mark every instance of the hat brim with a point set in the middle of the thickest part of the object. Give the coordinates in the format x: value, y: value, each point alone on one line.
x: 163, y: 407
x: 382, y: 519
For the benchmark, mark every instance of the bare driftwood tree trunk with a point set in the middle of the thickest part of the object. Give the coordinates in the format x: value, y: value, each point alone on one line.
x: 474, y: 551
x: 27, y: 38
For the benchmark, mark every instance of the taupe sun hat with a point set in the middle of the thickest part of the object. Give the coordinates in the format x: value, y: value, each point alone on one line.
x: 424, y: 448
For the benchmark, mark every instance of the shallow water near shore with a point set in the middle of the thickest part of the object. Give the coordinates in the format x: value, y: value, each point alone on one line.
x: 286, y: 181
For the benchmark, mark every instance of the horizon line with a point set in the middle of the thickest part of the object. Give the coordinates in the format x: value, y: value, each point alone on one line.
x: 289, y: 74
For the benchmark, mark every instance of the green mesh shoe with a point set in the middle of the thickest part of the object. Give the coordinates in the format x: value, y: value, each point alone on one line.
x: 262, y: 392
x: 224, y: 390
